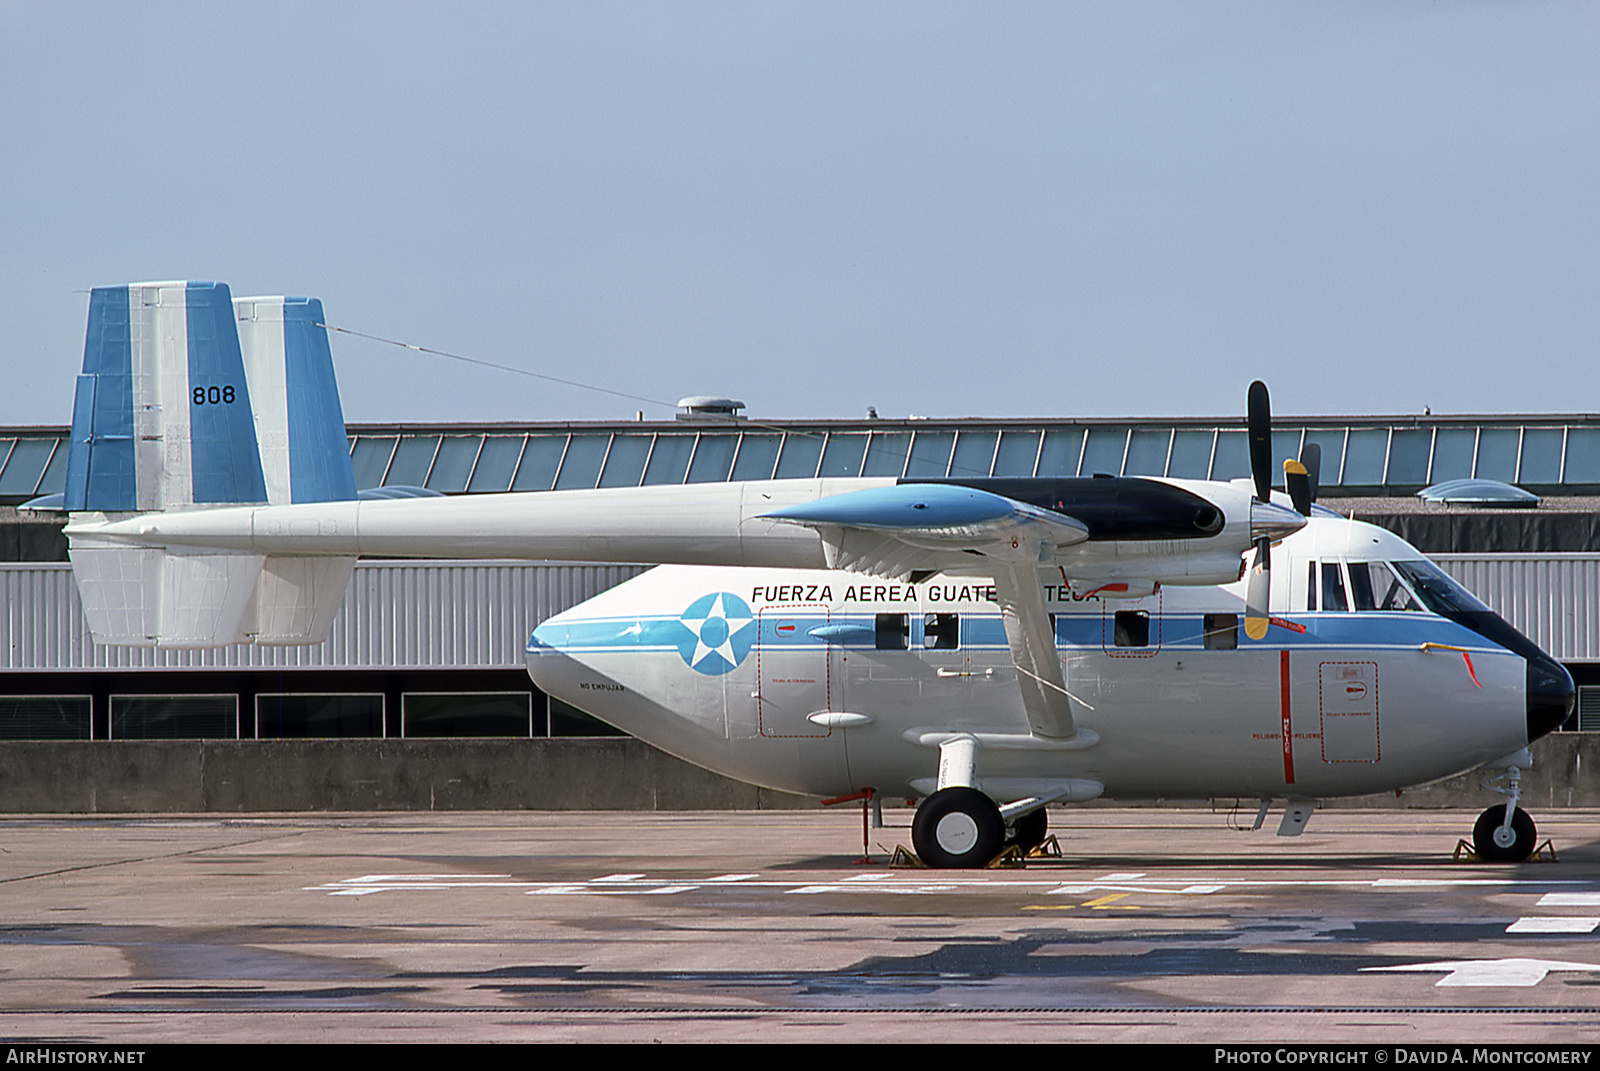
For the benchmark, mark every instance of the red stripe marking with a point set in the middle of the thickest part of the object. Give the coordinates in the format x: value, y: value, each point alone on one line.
x: 1470, y: 672
x: 1288, y: 736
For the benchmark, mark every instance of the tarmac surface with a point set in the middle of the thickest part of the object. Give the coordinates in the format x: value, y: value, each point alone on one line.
x: 1157, y: 925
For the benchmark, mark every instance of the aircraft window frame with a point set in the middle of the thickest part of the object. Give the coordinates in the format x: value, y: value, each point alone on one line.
x: 800, y: 456
x: 891, y: 632
x: 887, y: 454
x: 1335, y: 597
x: 1437, y: 589
x: 843, y: 454
x: 1130, y: 628
x: 1220, y: 632
x: 539, y: 462
x: 1149, y: 451
x: 752, y: 460
x: 1017, y: 454
x: 1061, y: 452
x: 487, y: 474
x: 706, y: 466
x: 941, y: 632
x: 974, y: 453
x: 1367, y: 576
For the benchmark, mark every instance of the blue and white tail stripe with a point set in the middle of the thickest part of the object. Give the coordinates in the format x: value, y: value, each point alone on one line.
x: 188, y: 396
x: 162, y: 413
x: 299, y: 424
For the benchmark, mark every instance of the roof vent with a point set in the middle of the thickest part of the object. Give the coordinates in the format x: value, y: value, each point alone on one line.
x: 706, y: 407
x: 1479, y: 493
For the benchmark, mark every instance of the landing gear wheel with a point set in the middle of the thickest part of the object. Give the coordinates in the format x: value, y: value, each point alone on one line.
x: 1497, y: 845
x: 958, y: 827
x: 1029, y: 831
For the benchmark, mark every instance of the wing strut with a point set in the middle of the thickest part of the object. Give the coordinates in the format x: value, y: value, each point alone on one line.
x: 1033, y: 650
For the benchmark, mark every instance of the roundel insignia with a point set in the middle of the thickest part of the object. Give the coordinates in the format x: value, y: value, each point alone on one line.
x: 721, y: 631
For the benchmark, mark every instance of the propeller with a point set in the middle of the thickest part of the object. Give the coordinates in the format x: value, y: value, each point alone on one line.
x: 1269, y: 521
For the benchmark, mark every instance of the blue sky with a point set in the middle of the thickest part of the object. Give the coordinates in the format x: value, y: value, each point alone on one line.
x: 998, y: 209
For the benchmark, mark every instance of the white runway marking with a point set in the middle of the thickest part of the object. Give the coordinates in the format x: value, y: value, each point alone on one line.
x: 1491, y: 972
x: 1553, y: 924
x: 901, y: 882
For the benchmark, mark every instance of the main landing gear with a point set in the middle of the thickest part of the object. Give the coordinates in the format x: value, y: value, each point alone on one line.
x: 962, y: 827
x: 958, y: 827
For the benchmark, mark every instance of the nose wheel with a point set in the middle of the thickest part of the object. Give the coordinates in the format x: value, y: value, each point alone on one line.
x: 958, y: 827
x: 1496, y: 841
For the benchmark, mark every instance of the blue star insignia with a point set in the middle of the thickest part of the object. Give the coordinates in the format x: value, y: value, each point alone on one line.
x: 722, y: 630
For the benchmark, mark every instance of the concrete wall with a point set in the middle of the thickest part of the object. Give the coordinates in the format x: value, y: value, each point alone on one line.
x: 198, y: 776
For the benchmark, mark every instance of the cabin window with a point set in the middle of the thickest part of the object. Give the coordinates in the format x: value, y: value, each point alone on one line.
x: 1333, y: 587
x: 893, y: 632
x: 1311, y: 587
x: 1132, y: 628
x: 941, y: 632
x: 1222, y: 632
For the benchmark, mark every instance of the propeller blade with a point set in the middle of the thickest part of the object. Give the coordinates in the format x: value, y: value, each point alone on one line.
x: 1258, y: 593
x: 1258, y: 421
x: 1298, y: 481
x: 1311, y: 458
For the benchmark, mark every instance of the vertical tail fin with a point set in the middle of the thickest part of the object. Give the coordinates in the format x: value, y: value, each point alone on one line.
x: 299, y: 424
x: 189, y: 398
x: 161, y: 416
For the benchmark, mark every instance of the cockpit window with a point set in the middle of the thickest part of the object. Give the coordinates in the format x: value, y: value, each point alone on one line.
x: 1375, y: 587
x: 1333, y: 587
x: 1437, y: 590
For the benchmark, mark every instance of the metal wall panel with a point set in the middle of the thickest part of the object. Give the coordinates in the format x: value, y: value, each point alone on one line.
x: 1553, y: 599
x: 443, y: 615
x: 409, y: 615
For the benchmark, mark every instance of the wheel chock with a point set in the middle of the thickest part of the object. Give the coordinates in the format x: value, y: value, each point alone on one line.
x: 1466, y: 853
x: 903, y: 859
x: 1050, y: 849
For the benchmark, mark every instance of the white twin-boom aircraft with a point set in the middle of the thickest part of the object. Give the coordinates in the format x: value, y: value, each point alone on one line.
x: 990, y: 646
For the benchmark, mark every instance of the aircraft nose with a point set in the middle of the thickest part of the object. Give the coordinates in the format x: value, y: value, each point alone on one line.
x: 1550, y: 695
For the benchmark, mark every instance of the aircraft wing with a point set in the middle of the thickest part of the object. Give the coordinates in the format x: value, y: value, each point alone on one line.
x: 893, y: 530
